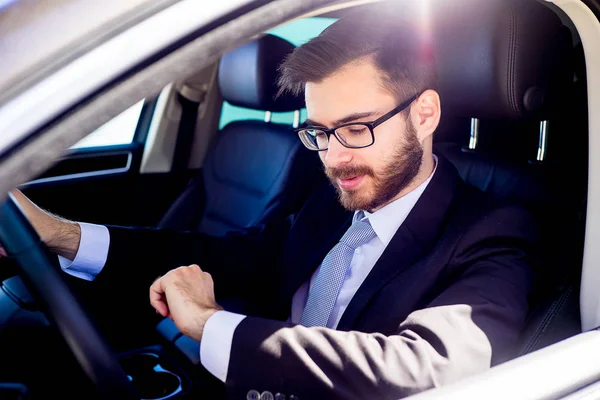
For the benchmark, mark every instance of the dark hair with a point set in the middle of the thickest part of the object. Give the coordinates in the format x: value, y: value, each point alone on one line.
x: 399, y: 49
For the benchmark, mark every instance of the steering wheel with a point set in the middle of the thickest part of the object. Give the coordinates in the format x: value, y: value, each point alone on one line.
x: 42, y: 274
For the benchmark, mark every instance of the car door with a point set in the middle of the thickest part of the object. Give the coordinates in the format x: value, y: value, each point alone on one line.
x: 99, y: 179
x: 90, y: 180
x: 553, y: 372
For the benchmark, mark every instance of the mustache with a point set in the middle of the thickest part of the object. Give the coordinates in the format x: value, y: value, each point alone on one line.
x: 348, y: 171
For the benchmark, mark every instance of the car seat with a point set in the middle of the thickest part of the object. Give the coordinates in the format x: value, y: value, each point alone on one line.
x: 511, y: 112
x: 256, y: 171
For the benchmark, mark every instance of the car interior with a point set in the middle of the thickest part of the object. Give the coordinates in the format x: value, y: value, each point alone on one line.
x: 512, y: 80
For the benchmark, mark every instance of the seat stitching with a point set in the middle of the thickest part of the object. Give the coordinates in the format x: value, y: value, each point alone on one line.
x: 511, y: 90
x: 555, y: 307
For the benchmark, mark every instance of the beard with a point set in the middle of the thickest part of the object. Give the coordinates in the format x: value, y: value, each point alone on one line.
x: 398, y: 171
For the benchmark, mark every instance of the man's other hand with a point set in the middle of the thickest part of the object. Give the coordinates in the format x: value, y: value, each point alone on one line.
x: 186, y: 295
x: 60, y: 235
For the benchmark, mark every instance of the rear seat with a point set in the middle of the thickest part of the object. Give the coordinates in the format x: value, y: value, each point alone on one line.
x: 506, y: 66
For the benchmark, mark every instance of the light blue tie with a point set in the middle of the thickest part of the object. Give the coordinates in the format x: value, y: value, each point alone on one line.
x: 333, y: 269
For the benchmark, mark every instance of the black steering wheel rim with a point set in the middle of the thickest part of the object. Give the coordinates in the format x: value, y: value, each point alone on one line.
x: 42, y: 275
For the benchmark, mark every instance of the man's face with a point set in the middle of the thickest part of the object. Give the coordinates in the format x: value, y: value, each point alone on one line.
x: 370, y: 177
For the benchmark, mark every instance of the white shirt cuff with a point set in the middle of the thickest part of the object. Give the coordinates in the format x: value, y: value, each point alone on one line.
x: 92, y: 253
x: 217, y: 338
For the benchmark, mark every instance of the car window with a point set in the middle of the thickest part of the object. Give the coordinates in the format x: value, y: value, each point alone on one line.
x: 118, y: 131
x: 121, y: 129
x: 296, y: 32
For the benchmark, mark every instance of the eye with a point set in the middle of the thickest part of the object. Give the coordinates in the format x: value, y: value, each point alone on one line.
x: 357, y: 129
x: 315, y: 133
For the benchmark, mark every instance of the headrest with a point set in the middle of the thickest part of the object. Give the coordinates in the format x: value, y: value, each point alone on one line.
x: 248, y: 75
x: 505, y: 59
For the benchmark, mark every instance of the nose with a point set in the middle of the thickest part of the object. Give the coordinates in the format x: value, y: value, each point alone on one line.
x: 336, y: 154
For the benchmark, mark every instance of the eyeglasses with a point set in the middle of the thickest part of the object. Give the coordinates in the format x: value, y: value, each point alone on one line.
x: 354, y: 135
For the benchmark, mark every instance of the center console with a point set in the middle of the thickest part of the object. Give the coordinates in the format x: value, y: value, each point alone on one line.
x: 154, y: 375
x: 165, y: 364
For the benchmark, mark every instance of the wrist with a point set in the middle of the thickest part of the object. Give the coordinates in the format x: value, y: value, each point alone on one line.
x: 196, y: 332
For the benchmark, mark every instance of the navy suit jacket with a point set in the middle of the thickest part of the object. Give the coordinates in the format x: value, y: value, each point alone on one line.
x: 447, y: 298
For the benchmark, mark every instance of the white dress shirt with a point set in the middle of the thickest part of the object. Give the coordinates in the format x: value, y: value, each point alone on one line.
x: 218, y: 332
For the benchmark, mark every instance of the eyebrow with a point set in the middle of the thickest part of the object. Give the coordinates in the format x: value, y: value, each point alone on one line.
x: 345, y: 120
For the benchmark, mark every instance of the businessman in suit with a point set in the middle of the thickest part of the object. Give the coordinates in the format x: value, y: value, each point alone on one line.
x: 394, y: 278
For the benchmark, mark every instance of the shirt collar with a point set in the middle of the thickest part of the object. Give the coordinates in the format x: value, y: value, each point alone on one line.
x: 387, y: 220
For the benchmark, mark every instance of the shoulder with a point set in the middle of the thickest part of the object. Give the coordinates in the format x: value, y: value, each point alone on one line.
x: 479, y: 217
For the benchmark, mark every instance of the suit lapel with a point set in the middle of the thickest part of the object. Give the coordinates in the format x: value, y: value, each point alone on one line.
x: 412, y: 241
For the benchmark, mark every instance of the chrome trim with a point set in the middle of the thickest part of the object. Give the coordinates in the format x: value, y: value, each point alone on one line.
x: 543, y: 141
x: 92, y: 174
x: 474, y: 136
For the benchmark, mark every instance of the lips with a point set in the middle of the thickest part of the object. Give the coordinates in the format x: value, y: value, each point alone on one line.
x: 350, y: 183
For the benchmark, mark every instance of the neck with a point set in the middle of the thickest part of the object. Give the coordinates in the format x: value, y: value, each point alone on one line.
x: 424, y: 173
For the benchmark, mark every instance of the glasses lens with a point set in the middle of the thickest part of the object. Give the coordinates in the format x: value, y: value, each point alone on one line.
x: 355, y: 135
x: 314, y: 139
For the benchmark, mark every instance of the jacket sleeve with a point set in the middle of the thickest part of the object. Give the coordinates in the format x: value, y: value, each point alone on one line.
x: 477, y: 317
x: 137, y: 256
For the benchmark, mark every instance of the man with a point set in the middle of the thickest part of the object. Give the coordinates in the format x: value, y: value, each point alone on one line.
x: 396, y: 278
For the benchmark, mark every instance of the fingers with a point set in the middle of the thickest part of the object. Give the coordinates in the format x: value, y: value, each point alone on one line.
x: 194, y: 266
x: 157, y: 297
x: 187, y: 280
x: 197, y: 267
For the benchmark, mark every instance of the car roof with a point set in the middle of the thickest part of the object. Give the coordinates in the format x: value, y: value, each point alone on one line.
x: 36, y: 40
x: 42, y: 87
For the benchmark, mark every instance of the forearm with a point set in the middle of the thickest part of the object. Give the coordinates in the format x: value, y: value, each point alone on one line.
x: 64, y: 238
x: 324, y: 363
x: 60, y: 235
x: 472, y: 325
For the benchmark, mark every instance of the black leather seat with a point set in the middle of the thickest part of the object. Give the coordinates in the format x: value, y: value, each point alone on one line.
x: 509, y: 65
x: 256, y: 171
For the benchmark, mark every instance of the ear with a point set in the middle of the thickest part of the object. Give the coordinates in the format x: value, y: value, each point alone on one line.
x: 426, y: 113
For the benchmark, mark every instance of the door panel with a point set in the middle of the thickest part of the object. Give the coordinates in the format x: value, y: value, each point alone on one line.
x: 102, y: 184
x: 119, y: 198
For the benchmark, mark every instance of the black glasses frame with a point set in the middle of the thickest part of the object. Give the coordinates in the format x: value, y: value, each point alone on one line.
x: 370, y: 125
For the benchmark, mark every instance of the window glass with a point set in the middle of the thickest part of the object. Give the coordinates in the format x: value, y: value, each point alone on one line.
x: 231, y: 113
x: 302, y: 30
x: 119, y: 130
x: 296, y: 32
